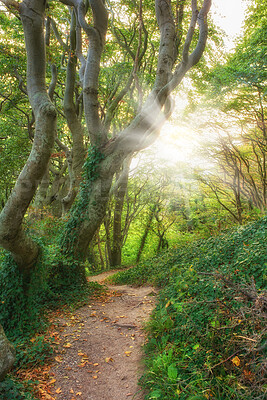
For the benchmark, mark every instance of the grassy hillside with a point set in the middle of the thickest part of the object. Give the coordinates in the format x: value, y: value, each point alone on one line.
x: 207, y: 336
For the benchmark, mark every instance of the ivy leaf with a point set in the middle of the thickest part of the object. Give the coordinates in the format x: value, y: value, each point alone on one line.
x: 172, y: 372
x: 156, y: 394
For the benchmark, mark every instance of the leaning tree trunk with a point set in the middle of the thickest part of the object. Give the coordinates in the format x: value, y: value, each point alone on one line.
x: 12, y: 236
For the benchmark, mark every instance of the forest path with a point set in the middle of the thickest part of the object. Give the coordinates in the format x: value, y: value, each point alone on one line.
x: 100, y: 347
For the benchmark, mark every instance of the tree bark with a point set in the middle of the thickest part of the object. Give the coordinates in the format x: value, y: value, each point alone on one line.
x: 117, y: 239
x: 146, y: 232
x: 12, y: 236
x: 7, y: 354
x: 74, y: 124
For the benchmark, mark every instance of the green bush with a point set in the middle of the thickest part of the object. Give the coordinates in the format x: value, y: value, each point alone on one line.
x: 10, y: 389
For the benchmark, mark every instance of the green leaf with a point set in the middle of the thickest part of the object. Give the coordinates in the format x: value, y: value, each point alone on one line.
x: 156, y: 394
x: 197, y: 397
x: 172, y: 372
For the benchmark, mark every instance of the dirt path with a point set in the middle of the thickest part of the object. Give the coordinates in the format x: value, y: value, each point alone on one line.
x: 101, y: 346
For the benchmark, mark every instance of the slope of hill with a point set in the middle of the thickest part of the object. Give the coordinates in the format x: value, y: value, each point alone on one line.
x: 207, y: 335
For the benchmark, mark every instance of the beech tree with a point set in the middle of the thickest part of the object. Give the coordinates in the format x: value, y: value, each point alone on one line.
x: 176, y: 54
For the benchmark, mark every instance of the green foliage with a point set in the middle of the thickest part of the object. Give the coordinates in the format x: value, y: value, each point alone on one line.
x: 33, y: 353
x: 10, y: 389
x: 206, y: 333
x: 19, y: 311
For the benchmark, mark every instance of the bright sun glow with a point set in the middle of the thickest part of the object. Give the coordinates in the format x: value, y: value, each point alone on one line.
x: 229, y: 15
x: 177, y: 143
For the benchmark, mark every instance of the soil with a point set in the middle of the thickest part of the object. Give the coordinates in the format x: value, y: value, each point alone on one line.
x: 100, y: 351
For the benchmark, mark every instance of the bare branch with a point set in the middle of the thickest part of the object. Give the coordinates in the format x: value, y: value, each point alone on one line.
x: 191, y: 31
x: 57, y: 35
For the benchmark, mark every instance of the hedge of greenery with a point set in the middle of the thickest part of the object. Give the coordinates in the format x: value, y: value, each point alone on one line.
x: 206, y: 335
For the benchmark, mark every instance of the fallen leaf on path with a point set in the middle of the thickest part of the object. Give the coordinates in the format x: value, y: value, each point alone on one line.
x: 78, y: 393
x: 236, y: 361
x: 95, y: 377
x: 58, y: 359
x: 67, y: 345
x: 95, y: 364
x: 58, y: 390
x: 108, y: 359
x: 71, y: 391
x: 47, y: 397
x: 83, y: 364
x: 52, y: 381
x: 128, y: 353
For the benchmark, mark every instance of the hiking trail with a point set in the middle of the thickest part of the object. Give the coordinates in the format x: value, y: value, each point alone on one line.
x: 100, y: 350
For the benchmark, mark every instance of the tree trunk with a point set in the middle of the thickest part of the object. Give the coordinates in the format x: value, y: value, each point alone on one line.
x: 145, y: 234
x: 74, y: 124
x: 41, y: 195
x: 12, y: 236
x: 89, y: 210
x: 7, y: 354
x: 117, y: 240
x: 100, y: 250
x: 107, y: 221
x: 159, y: 247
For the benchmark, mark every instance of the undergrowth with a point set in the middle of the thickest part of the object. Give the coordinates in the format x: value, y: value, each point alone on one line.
x: 207, y: 335
x: 11, y: 389
x: 24, y: 306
